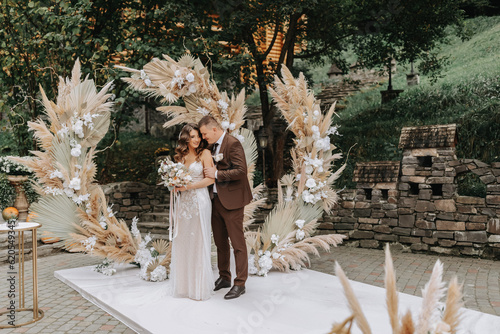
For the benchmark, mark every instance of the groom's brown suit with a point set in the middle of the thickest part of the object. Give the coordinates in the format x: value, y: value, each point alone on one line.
x: 233, y: 193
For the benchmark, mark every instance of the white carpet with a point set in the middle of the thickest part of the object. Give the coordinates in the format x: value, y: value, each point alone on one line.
x: 300, y: 302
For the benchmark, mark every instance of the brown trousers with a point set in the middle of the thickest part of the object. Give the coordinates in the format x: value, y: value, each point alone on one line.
x: 229, y: 224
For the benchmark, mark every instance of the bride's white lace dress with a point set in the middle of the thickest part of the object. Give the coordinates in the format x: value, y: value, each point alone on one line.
x: 191, y: 273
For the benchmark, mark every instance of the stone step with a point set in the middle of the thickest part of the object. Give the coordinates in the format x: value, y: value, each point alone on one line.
x: 161, y: 208
x: 154, y: 217
x: 156, y: 236
x: 153, y: 227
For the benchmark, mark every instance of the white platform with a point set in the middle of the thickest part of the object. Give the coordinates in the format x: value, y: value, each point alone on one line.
x: 301, y: 302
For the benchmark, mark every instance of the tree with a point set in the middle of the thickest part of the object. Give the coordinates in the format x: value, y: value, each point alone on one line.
x: 40, y: 39
x: 405, y: 31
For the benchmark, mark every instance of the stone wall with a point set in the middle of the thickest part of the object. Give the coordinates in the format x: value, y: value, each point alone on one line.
x: 424, y: 212
x: 132, y: 199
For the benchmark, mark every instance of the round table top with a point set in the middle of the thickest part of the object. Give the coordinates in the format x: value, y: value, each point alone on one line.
x: 22, y: 226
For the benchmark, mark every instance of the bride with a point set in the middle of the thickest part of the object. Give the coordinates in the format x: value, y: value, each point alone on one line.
x: 191, y: 269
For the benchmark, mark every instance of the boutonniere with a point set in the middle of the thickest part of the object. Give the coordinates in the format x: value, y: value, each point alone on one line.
x: 218, y: 157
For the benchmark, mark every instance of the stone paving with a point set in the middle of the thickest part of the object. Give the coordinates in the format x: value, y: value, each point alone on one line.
x: 67, y: 312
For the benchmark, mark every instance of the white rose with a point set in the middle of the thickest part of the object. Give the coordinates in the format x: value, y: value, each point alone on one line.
x: 75, y: 183
x: 192, y: 88
x: 218, y: 157
x: 309, y: 169
x: 225, y: 125
x: 299, y: 235
x: 275, y: 238
x: 300, y: 223
x: 311, y: 183
x: 316, y: 112
x: 148, y: 82
x: 190, y: 77
x: 76, y: 151
x: 232, y: 126
x: 240, y: 138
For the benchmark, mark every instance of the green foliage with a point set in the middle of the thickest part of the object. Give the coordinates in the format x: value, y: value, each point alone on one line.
x: 133, y: 159
x: 469, y: 184
x: 7, y: 193
x: 468, y: 95
x: 31, y: 195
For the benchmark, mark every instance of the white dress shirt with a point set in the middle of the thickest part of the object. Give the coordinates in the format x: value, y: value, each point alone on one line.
x: 217, y: 150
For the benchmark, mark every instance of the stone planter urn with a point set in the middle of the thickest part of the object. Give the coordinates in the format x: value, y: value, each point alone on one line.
x: 21, y: 203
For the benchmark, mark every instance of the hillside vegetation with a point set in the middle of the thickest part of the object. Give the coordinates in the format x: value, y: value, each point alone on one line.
x: 466, y: 93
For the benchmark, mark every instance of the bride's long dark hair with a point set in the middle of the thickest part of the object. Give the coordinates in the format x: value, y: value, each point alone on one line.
x: 182, y: 148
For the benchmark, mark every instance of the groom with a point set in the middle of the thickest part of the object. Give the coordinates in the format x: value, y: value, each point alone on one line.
x: 231, y: 192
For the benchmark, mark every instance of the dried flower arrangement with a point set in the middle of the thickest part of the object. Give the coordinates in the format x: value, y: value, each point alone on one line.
x: 430, y: 320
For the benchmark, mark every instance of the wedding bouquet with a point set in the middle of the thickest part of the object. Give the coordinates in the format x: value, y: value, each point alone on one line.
x: 173, y: 174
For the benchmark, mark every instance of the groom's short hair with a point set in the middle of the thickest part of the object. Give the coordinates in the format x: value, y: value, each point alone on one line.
x: 208, y: 121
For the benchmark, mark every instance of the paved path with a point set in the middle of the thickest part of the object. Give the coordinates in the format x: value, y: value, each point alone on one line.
x: 67, y: 312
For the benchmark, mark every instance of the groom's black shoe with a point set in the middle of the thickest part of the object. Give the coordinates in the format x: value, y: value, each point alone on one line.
x: 221, y: 284
x: 235, y: 292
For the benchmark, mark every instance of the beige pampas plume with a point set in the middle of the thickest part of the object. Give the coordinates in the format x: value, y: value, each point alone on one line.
x: 454, y: 302
x: 432, y: 293
x: 354, y: 305
x: 391, y: 291
x: 407, y: 326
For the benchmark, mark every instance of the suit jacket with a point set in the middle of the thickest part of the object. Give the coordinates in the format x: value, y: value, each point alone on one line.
x: 232, y: 184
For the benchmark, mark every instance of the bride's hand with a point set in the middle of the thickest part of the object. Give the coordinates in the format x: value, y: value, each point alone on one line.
x: 183, y: 188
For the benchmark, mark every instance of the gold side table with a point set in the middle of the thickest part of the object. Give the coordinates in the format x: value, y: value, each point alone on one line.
x: 20, y: 229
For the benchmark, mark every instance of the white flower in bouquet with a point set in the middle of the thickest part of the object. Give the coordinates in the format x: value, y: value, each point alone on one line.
x: 275, y: 238
x: 232, y: 126
x: 252, y: 269
x: 224, y: 125
x: 159, y: 274
x: 299, y: 235
x: 55, y: 174
x: 192, y: 88
x: 202, y: 110
x: 300, y: 223
x: 78, y: 127
x: 148, y: 82
x: 310, y: 183
x: 76, y: 151
x: 322, y: 144
x: 334, y: 130
x: 75, y: 183
x: 174, y: 174
x: 316, y: 135
x: 308, y: 197
x: 133, y: 229
x: 223, y: 105
x: 218, y: 157
x: 103, y: 223
x: 89, y: 243
x: 63, y: 132
x: 265, y: 263
x: 240, y: 138
x: 190, y: 77
x: 309, y: 169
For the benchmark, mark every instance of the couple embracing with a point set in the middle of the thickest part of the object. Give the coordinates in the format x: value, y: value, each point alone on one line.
x: 217, y: 198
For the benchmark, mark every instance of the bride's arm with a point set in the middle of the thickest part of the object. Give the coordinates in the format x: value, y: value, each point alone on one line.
x: 206, y: 160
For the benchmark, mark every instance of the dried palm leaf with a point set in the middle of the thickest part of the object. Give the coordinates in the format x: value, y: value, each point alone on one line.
x: 161, y: 246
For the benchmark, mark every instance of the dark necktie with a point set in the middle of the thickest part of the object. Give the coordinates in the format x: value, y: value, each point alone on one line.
x: 214, y: 148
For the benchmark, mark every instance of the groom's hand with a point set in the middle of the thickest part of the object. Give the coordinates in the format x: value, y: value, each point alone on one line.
x: 210, y: 172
